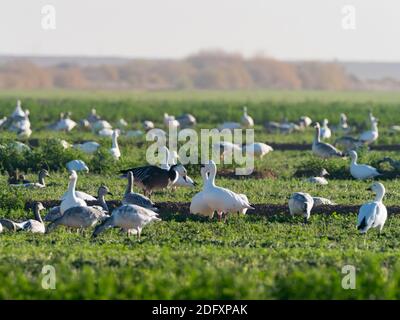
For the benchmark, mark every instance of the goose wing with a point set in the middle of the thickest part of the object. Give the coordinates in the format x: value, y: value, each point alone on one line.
x: 366, y: 216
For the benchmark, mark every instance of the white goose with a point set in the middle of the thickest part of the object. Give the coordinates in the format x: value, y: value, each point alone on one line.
x: 199, y: 205
x: 65, y: 124
x: 373, y: 214
x: 115, y: 152
x: 77, y: 165
x: 170, y: 121
x: 247, y: 121
x: 257, y: 149
x: 1, y: 228
x: 372, y: 135
x: 320, y: 179
x: 18, y: 113
x: 325, y: 132
x: 88, y: 146
x: 361, y: 171
x: 220, y: 199
x: 301, y: 203
x: 71, y: 200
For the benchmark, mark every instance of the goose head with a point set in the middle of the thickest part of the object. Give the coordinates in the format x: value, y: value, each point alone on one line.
x: 325, y: 122
x: 103, y: 190
x: 39, y: 206
x: 378, y: 188
x: 44, y: 173
x: 324, y: 172
x: 353, y: 155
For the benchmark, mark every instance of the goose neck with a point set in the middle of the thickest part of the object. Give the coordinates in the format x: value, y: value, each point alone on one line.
x: 379, y: 196
x: 129, y: 187
x: 317, y: 133
x: 103, y: 202
x: 38, y: 217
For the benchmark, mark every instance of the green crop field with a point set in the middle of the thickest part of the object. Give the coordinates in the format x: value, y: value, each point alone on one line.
x: 253, y: 256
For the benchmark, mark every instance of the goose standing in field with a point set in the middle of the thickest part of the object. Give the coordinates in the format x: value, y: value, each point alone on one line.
x: 169, y: 158
x: 88, y: 147
x: 222, y: 200
x: 361, y: 171
x: 322, y: 149
x: 65, y: 124
x: 257, y: 149
x: 40, y: 184
x: 199, y: 205
x: 247, y: 121
x: 320, y: 179
x: 70, y: 199
x: 77, y: 165
x: 372, y: 135
x: 148, y: 125
x: 34, y: 226
x: 301, y: 203
x: 151, y: 178
x: 373, y: 214
x: 130, y: 218
x: 325, y: 132
x: 114, y: 151
x: 81, y: 217
x: 138, y: 199
x: 186, y: 120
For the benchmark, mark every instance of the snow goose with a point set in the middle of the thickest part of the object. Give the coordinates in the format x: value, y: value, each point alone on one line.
x: 122, y: 123
x: 361, y: 171
x: 32, y: 225
x: 301, y: 203
x: 319, y: 201
x: 148, y: 125
x: 70, y: 199
x: 373, y: 214
x: 247, y: 121
x: 18, y: 113
x: 130, y: 218
x: 372, y: 135
x: 320, y: 179
x: 305, y: 121
x: 219, y: 199
x: 40, y: 184
x: 77, y: 165
x: 88, y: 147
x: 114, y: 151
x: 106, y: 132
x: 199, y: 205
x: 186, y: 120
x: 325, y: 132
x: 101, y: 125
x: 227, y: 148
x: 93, y: 117
x: 170, y: 121
x: 65, y: 124
x: 151, y: 178
x: 321, y: 149
x: 257, y: 149
x: 131, y: 197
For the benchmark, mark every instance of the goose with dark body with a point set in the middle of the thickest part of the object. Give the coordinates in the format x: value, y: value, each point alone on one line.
x: 131, y: 197
x: 151, y: 178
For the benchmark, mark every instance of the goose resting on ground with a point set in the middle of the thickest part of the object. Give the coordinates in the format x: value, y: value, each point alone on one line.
x: 199, y: 205
x: 88, y: 147
x: 131, y: 197
x: 361, y: 171
x: 114, y: 151
x: 151, y: 178
x: 319, y: 201
x: 34, y: 226
x: 130, y: 218
x: 40, y: 184
x: 373, y: 214
x: 301, y: 203
x: 372, y: 135
x: 221, y: 200
x: 320, y: 179
x: 322, y: 149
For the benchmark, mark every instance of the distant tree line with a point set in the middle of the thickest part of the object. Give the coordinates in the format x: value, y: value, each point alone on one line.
x: 205, y: 70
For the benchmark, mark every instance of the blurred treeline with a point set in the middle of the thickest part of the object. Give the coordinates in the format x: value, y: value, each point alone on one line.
x: 205, y: 70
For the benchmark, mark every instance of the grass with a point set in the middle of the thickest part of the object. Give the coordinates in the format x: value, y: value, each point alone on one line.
x: 249, y: 257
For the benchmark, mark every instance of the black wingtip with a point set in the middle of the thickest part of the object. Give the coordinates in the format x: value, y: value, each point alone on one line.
x: 362, y: 225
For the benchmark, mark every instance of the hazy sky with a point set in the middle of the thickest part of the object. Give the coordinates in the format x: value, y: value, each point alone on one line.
x: 288, y: 29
